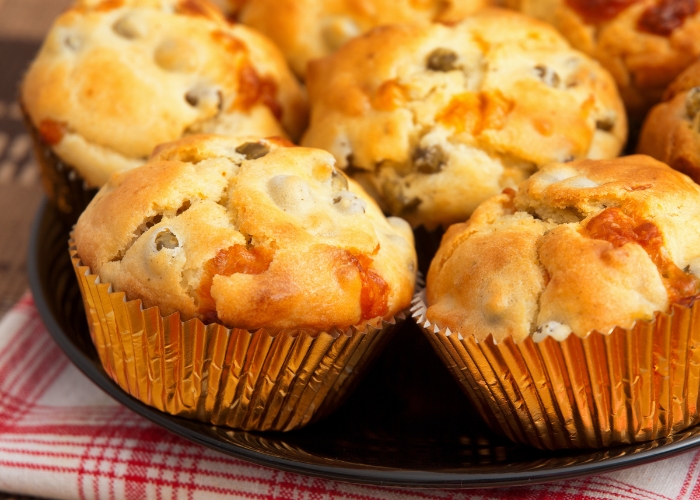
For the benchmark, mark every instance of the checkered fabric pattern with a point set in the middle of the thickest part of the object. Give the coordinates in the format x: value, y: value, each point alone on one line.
x: 62, y: 438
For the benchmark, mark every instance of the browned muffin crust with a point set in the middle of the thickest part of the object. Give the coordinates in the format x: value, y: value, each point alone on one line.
x: 582, y: 246
x: 251, y: 233
x: 114, y: 79
x: 432, y: 120
x: 645, y: 44
x: 309, y: 29
x: 671, y: 131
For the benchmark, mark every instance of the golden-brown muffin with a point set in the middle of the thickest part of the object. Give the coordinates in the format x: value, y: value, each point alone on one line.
x: 671, y: 131
x: 582, y: 246
x: 432, y: 120
x: 252, y: 233
x: 645, y: 44
x: 115, y: 78
x: 309, y: 29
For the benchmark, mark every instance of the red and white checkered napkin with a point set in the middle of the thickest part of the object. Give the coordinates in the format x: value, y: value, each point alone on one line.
x: 61, y: 437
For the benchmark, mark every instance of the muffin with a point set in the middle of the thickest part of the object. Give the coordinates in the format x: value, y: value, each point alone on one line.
x: 309, y: 29
x: 294, y: 269
x: 114, y: 79
x: 645, y: 44
x: 670, y: 131
x: 433, y: 120
x: 566, y: 309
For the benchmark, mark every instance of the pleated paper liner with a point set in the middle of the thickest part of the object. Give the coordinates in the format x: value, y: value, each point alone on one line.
x: 64, y: 186
x: 628, y: 386
x: 249, y: 380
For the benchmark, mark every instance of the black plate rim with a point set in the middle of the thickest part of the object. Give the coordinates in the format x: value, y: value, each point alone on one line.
x: 358, y: 474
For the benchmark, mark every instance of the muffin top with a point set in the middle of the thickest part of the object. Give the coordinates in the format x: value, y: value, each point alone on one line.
x: 309, y: 29
x: 582, y: 246
x: 671, y: 131
x: 115, y: 78
x: 645, y: 44
x: 433, y: 120
x: 250, y: 233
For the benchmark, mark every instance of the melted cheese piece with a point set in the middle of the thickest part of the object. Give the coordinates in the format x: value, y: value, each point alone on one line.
x: 614, y: 226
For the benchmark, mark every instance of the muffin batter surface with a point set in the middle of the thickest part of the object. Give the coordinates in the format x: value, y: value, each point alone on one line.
x: 581, y: 246
x: 433, y: 120
x: 249, y: 232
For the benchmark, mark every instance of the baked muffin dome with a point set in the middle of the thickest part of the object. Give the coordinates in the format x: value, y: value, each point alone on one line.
x: 252, y: 233
x: 582, y: 246
x: 308, y: 29
x: 671, y: 131
x: 114, y: 79
x: 432, y: 120
x: 645, y: 44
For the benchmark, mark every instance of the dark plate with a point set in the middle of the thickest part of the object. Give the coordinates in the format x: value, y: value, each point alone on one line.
x: 407, y: 424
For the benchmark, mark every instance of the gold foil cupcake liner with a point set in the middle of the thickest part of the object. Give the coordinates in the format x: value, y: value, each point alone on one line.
x: 64, y: 186
x: 627, y: 386
x: 250, y: 380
